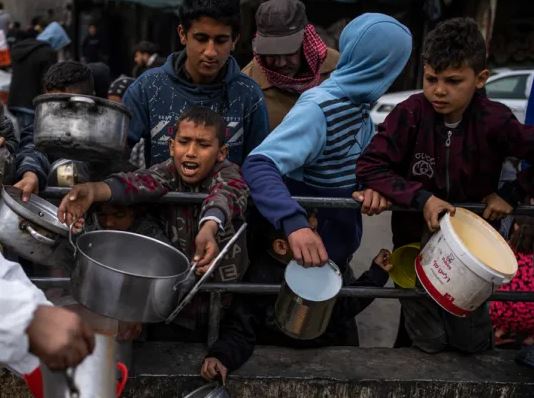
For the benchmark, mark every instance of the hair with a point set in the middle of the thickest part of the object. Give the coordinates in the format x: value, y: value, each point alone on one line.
x: 69, y: 74
x: 207, y: 117
x: 1, y: 5
x: 455, y: 43
x: 146, y: 47
x: 522, y: 238
x: 227, y: 12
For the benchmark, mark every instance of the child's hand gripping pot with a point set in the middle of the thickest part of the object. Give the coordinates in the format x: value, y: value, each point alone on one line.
x: 80, y: 198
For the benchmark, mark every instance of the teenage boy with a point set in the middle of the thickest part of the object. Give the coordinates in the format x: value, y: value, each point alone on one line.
x: 203, y: 74
x: 198, y: 164
x: 251, y: 321
x: 316, y: 145
x: 289, y: 56
x: 446, y: 145
x: 33, y: 165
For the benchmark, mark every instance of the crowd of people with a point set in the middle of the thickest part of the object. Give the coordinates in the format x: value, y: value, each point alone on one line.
x: 294, y: 122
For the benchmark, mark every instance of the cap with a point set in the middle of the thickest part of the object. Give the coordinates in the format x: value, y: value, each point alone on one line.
x: 280, y: 27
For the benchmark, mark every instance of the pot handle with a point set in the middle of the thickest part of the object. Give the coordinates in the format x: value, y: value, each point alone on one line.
x: 36, y: 235
x: 82, y: 100
x: 124, y: 378
x: 74, y: 392
x: 189, y: 273
x: 208, y: 273
x: 71, y: 241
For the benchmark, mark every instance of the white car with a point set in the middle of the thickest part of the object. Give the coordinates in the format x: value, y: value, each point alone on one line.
x: 508, y: 86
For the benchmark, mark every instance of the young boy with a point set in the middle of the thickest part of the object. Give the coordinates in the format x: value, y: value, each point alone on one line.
x: 205, y: 74
x: 198, y: 164
x: 316, y: 145
x: 445, y: 145
x: 33, y: 165
x: 250, y: 320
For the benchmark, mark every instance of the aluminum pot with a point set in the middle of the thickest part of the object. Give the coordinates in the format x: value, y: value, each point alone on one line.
x: 32, y: 230
x: 80, y: 127
x: 306, y: 299
x: 127, y: 276
x: 67, y: 173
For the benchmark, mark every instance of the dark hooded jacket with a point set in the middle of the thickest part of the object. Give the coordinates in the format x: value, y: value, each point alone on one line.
x: 31, y: 58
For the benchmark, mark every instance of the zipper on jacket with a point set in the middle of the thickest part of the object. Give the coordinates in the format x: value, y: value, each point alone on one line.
x: 447, y: 156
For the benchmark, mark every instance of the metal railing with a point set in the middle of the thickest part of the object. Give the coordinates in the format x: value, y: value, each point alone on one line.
x: 216, y: 289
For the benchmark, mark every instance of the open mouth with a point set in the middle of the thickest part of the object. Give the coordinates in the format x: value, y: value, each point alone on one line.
x: 190, y: 168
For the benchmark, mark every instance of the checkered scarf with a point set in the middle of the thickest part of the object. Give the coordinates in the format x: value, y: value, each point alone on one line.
x: 314, y: 50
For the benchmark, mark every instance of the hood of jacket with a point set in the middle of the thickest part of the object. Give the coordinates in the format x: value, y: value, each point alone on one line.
x: 374, y: 49
x: 232, y: 71
x: 55, y: 35
x: 25, y: 47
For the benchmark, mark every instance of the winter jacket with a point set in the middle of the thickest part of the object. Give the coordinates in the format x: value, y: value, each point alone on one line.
x: 414, y: 155
x: 7, y: 131
x: 279, y: 101
x: 31, y: 58
x: 319, y: 140
x: 250, y: 320
x: 226, y: 204
x: 19, y: 299
x: 29, y: 158
x: 158, y: 98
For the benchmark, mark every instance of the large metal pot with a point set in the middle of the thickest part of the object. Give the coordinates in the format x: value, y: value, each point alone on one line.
x: 67, y: 173
x: 32, y: 230
x: 306, y: 299
x: 80, y: 127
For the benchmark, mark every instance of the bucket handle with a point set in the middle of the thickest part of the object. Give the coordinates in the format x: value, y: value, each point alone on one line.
x: 208, y: 273
x: 124, y: 378
x: 69, y: 373
x: 71, y: 241
x: 82, y: 100
x: 25, y: 226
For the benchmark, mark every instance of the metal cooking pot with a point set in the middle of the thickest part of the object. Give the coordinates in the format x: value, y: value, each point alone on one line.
x: 32, y: 230
x: 80, y: 127
x: 67, y: 173
x: 306, y: 299
x: 134, y: 278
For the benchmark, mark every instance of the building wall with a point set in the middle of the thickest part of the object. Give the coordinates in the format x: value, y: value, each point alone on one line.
x: 24, y: 10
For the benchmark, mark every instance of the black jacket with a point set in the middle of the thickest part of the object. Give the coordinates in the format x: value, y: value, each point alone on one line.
x: 250, y: 320
x: 30, y: 58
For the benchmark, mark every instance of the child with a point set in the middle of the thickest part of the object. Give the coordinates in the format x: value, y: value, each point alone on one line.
x: 513, y: 322
x: 316, y: 145
x: 251, y: 321
x: 446, y: 144
x: 198, y: 164
x: 33, y: 165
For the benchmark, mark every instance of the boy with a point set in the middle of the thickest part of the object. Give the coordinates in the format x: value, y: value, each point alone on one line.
x: 446, y: 144
x: 33, y: 165
x: 250, y: 321
x: 316, y: 145
x: 198, y: 164
x: 203, y: 74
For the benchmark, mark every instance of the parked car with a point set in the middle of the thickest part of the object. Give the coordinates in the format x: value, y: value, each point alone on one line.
x: 508, y: 86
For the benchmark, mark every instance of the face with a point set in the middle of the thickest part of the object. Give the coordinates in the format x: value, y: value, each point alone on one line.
x: 118, y: 218
x: 286, y: 64
x: 92, y: 30
x: 114, y: 98
x: 141, y: 58
x: 195, y: 150
x: 451, y: 90
x: 208, y: 44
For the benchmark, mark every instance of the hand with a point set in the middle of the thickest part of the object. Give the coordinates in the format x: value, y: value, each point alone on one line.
x: 496, y: 207
x: 2, y: 141
x: 80, y: 198
x: 382, y: 259
x: 28, y: 184
x: 213, y: 367
x: 307, y: 248
x: 372, y: 202
x: 206, y: 247
x: 129, y: 331
x: 59, y: 337
x: 434, y: 206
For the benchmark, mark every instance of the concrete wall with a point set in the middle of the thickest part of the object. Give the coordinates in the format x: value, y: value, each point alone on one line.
x: 24, y: 10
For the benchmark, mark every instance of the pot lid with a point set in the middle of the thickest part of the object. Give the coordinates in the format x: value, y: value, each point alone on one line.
x: 37, y: 210
x: 211, y: 390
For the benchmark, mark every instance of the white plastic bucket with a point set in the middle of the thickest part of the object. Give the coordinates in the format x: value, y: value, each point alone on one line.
x: 463, y: 263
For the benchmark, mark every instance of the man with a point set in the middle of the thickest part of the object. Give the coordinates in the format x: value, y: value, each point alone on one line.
x: 202, y: 74
x: 31, y: 328
x: 31, y: 58
x: 145, y: 57
x: 289, y: 56
x: 94, y: 46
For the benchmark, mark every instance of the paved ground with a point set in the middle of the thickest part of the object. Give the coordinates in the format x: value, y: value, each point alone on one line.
x: 377, y: 325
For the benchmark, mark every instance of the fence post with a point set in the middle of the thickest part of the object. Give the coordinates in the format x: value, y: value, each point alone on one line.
x: 214, y: 317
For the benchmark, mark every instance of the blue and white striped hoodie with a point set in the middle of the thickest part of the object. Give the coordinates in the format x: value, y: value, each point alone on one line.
x: 318, y: 142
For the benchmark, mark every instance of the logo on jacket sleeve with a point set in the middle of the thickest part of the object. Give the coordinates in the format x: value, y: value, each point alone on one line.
x: 424, y: 165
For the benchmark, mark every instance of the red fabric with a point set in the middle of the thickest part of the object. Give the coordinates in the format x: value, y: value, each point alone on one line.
x: 516, y: 318
x: 314, y: 50
x: 34, y: 381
